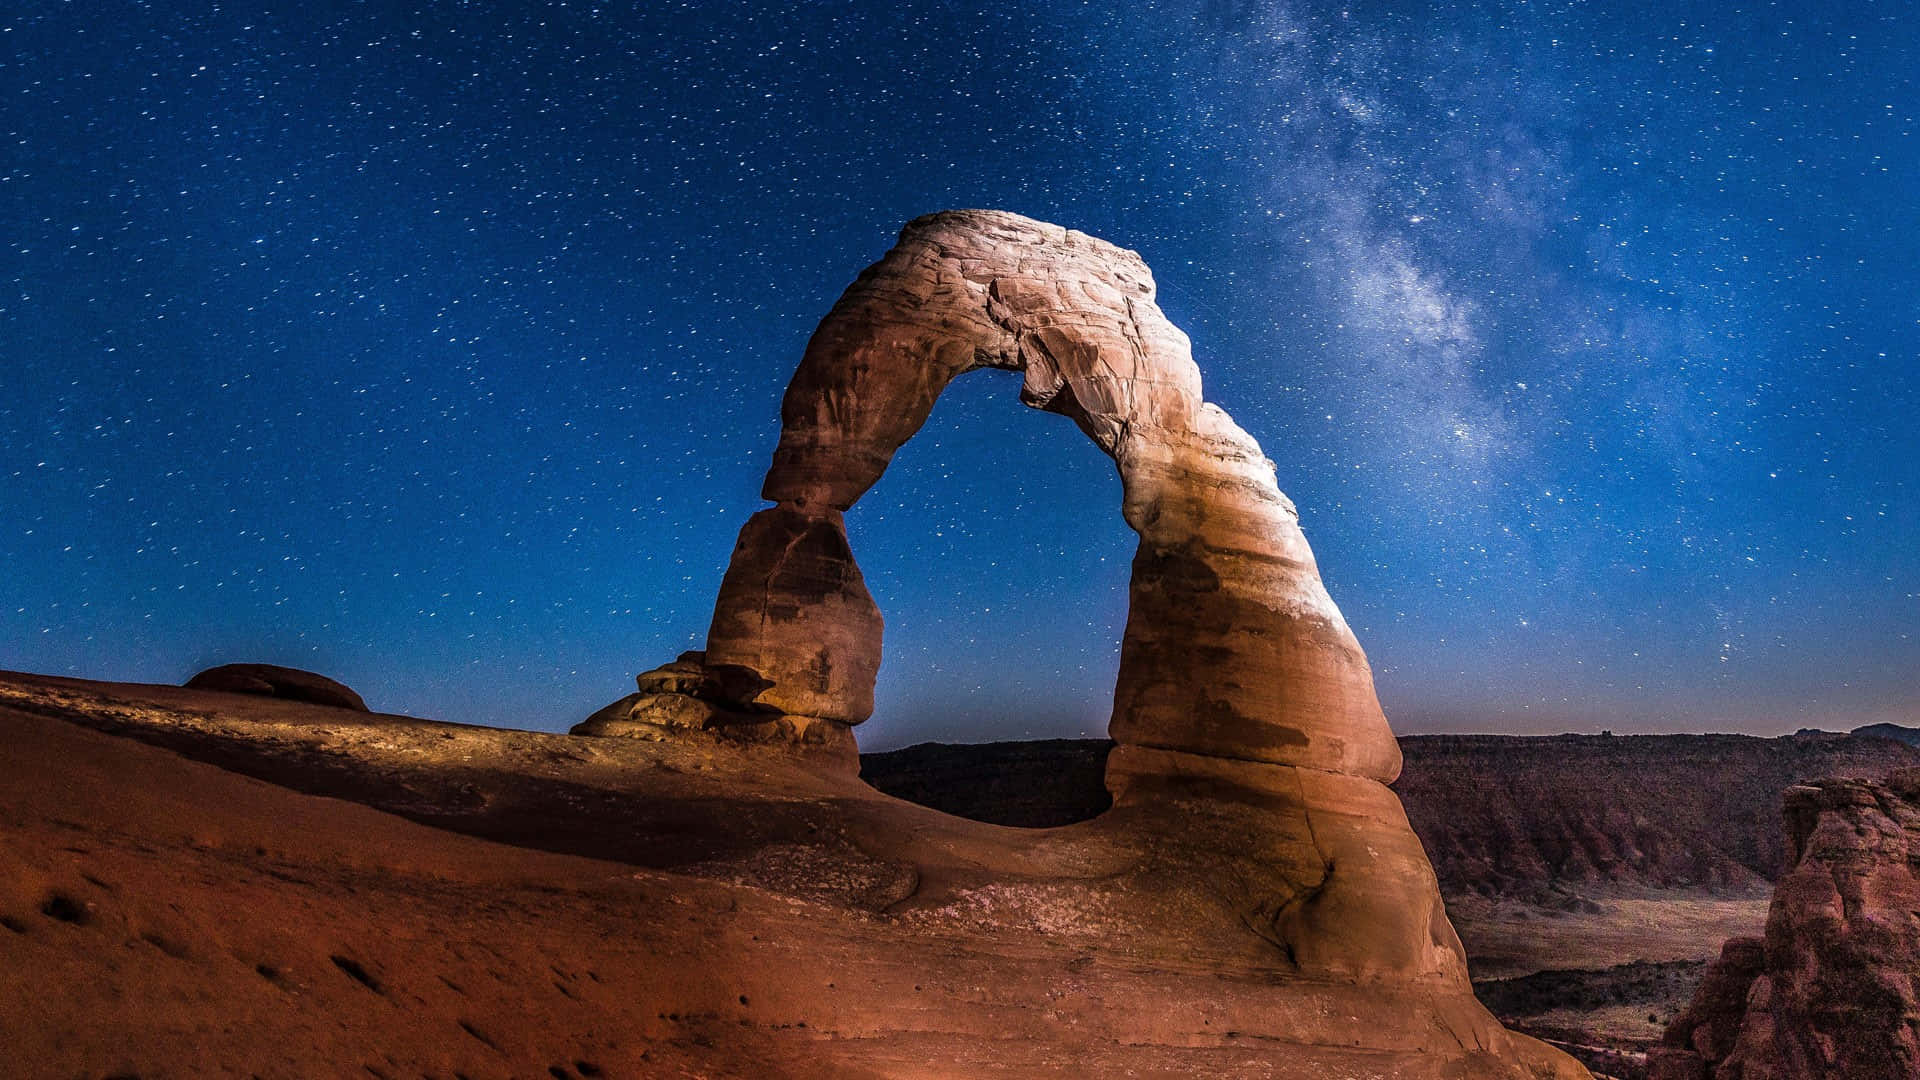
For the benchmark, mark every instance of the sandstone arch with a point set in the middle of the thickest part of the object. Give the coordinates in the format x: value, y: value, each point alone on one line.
x: 1252, y: 834
x: 1232, y: 650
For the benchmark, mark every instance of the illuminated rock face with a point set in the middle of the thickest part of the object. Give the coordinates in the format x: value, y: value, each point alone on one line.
x: 1233, y: 649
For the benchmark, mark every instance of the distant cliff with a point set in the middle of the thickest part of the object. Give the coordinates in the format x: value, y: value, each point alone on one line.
x: 1534, y: 818
x: 1502, y: 815
x: 1034, y: 784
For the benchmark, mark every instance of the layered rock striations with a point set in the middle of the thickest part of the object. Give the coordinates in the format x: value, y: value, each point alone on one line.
x: 1830, y: 989
x: 718, y: 894
x: 1541, y: 818
x: 1237, y: 672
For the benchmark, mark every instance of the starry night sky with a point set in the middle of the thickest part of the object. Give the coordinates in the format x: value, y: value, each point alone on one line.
x: 438, y: 347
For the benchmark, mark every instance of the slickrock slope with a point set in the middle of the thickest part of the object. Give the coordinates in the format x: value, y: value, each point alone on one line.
x: 1830, y: 991
x: 1592, y: 877
x: 511, y: 904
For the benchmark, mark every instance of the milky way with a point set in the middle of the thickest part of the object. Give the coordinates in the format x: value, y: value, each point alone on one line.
x: 439, y: 347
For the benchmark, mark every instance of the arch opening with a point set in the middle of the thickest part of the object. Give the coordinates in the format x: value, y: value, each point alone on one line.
x: 991, y: 548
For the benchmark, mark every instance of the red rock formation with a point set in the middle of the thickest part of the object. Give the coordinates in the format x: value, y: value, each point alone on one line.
x: 1831, y: 989
x: 1546, y: 819
x: 1239, y: 679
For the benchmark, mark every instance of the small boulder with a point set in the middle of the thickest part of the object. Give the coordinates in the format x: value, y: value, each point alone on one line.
x: 271, y: 680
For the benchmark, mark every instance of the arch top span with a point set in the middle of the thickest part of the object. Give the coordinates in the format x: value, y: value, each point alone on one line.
x: 1232, y: 647
x: 967, y: 289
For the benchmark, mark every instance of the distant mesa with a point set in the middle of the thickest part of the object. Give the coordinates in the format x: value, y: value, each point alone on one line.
x: 1896, y: 732
x: 1829, y: 990
x: 1035, y: 785
x: 272, y: 680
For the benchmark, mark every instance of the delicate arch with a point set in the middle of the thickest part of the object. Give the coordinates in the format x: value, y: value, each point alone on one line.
x: 1232, y: 647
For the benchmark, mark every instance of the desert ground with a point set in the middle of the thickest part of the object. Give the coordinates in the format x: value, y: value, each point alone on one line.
x: 227, y: 883
x: 205, y: 884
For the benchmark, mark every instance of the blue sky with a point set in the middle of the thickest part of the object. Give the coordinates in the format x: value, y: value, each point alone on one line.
x: 438, y: 347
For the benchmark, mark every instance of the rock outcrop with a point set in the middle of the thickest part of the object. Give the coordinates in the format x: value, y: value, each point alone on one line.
x: 1830, y: 990
x: 691, y: 694
x: 272, y: 680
